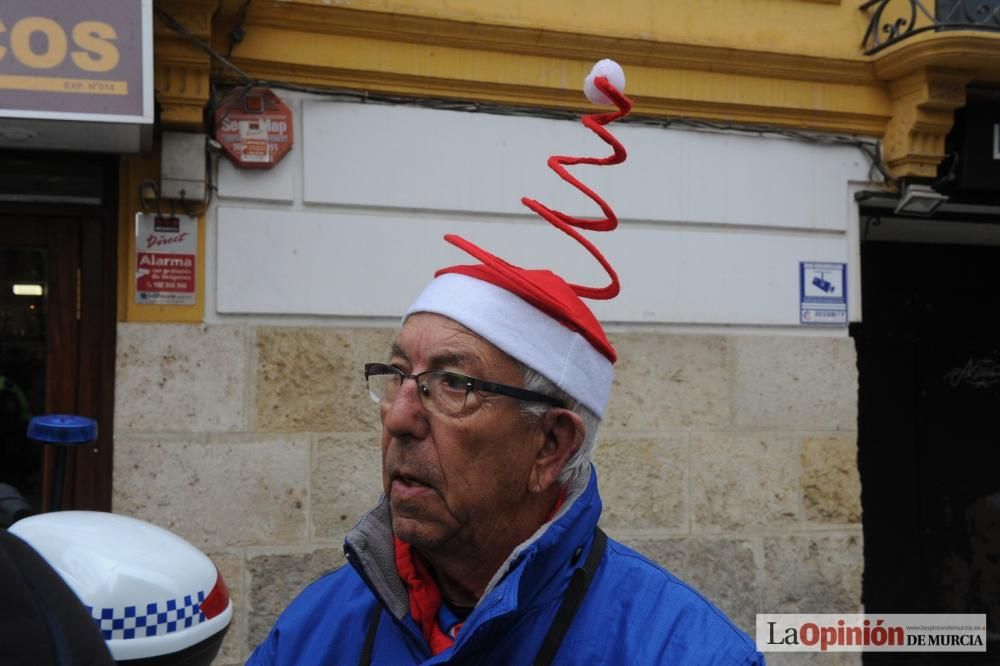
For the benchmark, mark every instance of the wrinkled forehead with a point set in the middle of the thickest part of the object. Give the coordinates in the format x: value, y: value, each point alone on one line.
x: 438, y: 342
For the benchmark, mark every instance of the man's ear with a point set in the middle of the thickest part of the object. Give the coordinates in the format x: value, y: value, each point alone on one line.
x: 562, y: 434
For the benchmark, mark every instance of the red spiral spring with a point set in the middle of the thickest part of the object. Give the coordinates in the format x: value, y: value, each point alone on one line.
x: 567, y: 223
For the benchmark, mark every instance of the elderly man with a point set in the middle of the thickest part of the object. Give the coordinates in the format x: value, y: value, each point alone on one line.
x: 484, y: 548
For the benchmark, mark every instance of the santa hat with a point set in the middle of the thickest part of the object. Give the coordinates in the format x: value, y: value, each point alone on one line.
x: 535, y: 316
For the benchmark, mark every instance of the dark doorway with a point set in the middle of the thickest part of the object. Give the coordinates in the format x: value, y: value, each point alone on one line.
x: 57, y: 317
x: 928, y: 436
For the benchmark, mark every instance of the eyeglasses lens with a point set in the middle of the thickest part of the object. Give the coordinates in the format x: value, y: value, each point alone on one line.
x: 442, y: 392
x: 383, y: 387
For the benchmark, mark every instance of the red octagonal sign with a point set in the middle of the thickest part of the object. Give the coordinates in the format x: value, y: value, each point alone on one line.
x: 254, y: 127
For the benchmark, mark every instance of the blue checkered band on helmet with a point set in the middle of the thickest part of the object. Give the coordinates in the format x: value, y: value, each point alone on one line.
x: 154, y: 619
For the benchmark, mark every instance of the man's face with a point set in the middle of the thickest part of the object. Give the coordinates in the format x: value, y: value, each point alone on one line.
x: 455, y: 482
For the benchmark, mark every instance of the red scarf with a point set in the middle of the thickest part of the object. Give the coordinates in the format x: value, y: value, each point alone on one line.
x: 425, y: 596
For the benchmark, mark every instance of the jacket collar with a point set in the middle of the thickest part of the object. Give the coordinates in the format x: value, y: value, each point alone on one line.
x: 555, y: 541
x: 533, y: 572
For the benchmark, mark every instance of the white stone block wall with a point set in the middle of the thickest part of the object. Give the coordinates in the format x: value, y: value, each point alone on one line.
x: 728, y: 453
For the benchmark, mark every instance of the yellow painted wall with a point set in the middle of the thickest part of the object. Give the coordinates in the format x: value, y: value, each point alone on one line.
x: 792, y: 63
x: 830, y: 28
x: 135, y: 169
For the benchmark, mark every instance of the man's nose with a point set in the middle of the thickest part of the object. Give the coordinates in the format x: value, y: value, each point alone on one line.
x: 406, y: 415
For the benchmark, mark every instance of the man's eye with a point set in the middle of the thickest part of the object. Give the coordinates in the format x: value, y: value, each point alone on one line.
x: 454, y: 383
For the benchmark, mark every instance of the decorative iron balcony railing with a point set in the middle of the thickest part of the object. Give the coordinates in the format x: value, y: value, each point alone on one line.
x: 891, y: 21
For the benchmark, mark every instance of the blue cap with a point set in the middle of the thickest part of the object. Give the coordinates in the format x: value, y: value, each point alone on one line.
x: 62, y: 429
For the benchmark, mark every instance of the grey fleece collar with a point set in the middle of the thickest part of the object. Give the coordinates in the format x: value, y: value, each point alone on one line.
x: 372, y: 542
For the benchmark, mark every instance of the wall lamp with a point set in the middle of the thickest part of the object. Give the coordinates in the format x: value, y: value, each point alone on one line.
x: 920, y: 200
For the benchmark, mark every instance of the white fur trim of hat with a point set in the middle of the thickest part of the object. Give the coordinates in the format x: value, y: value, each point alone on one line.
x: 523, y: 332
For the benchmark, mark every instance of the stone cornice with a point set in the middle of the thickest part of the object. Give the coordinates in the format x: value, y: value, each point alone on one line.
x: 678, y: 104
x: 975, y: 52
x: 463, y: 34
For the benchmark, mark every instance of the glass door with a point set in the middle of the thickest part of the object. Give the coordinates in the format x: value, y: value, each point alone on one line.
x: 38, y: 341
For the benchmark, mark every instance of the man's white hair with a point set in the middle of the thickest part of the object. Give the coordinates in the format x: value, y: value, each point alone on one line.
x: 579, y: 463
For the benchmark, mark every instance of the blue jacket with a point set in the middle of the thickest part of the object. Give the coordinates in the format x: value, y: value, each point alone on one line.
x: 634, y: 612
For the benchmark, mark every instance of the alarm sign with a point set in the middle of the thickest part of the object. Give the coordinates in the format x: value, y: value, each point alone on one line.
x: 254, y: 127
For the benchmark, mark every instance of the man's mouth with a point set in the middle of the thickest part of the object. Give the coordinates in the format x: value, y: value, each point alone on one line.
x: 404, y: 487
x: 409, y: 481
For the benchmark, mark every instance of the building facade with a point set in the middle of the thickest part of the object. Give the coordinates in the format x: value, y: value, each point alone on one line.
x: 770, y: 151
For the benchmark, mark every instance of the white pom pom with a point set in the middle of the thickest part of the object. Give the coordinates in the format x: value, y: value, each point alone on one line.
x: 606, y: 68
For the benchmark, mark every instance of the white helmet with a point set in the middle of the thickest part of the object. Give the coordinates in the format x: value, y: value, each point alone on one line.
x: 150, y: 592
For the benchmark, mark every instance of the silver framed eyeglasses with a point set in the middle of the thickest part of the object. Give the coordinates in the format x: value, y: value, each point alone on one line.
x: 442, y: 391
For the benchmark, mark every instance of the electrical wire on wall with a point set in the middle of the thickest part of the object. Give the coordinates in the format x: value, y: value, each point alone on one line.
x: 870, y: 148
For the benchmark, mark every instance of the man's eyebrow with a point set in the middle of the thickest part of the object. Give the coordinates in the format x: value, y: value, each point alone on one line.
x: 453, y: 359
x: 397, y: 351
x: 438, y: 360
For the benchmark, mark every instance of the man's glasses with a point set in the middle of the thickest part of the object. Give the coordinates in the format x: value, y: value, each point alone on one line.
x: 441, y: 391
